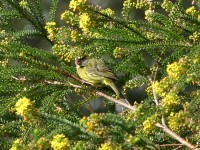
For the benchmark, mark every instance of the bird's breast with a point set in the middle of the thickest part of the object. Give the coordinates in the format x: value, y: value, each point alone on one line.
x: 89, y: 76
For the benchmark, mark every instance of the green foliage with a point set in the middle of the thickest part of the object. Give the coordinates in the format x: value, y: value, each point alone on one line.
x: 44, y: 105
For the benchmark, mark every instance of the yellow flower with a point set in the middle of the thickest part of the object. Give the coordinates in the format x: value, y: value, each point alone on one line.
x: 21, y: 54
x: 42, y: 143
x: 167, y: 5
x: 169, y: 101
x: 109, y: 146
x: 50, y: 26
x: 64, y: 52
x: 108, y: 12
x: 60, y: 142
x: 23, y: 105
x: 4, y: 62
x: 69, y: 17
x: 16, y: 145
x: 84, y: 21
x: 162, y: 86
x: 148, y: 15
x: 77, y: 4
x: 74, y: 35
x: 191, y: 10
x: 25, y: 108
x: 176, y: 121
x: 174, y: 70
x: 119, y: 52
x: 23, y: 3
x: 148, y: 124
x: 195, y: 36
x: 128, y: 5
x: 51, y: 29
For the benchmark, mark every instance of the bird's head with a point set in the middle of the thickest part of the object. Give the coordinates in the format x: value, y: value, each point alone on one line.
x: 79, y: 61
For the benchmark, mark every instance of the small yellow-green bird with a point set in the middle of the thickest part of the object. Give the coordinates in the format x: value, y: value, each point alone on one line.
x: 96, y: 73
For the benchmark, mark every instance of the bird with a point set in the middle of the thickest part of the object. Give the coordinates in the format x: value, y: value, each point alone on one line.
x: 95, y: 72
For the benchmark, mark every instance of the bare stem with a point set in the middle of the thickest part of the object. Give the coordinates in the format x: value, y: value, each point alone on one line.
x: 154, y: 93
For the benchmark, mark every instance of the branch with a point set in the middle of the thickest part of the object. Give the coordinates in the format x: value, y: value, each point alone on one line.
x: 127, y: 105
x: 174, y: 135
x: 116, y: 101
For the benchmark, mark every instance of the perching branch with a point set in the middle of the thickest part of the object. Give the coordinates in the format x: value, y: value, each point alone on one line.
x: 80, y: 87
x: 115, y: 100
x: 107, y: 97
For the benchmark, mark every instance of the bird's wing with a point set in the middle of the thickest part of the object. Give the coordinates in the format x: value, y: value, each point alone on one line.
x: 97, y: 68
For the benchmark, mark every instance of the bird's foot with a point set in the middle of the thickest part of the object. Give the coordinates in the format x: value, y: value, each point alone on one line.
x: 85, y: 82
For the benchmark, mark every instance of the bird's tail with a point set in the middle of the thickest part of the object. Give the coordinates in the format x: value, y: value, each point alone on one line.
x: 110, y: 83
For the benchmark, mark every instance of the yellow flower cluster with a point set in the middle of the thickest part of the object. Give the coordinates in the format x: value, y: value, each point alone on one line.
x: 161, y: 87
x: 119, y: 52
x: 109, y: 146
x: 64, y: 52
x: 69, y: 17
x: 196, y: 58
x: 127, y: 9
x: 169, y: 101
x: 4, y: 62
x: 175, y: 70
x: 84, y: 22
x: 42, y: 143
x: 17, y: 145
x: 191, y: 10
x: 25, y: 108
x: 167, y: 5
x: 51, y: 30
x: 75, y: 35
x: 176, y: 121
x: 7, y: 38
x: 77, y: 4
x: 142, y: 3
x: 152, y: 35
x: 108, y: 12
x: 60, y: 142
x: 149, y: 124
x: 131, y: 139
x: 195, y: 37
x: 5, y: 41
x: 148, y: 15
x: 23, y: 3
x: 91, y: 124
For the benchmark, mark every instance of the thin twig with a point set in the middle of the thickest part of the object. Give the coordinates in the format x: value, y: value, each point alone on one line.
x: 89, y: 105
x: 167, y: 145
x: 154, y: 93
